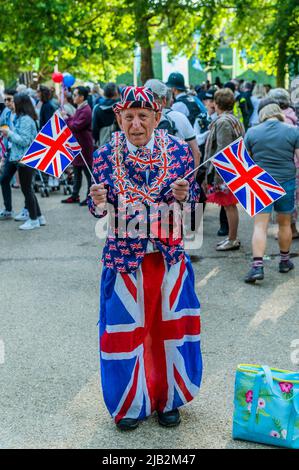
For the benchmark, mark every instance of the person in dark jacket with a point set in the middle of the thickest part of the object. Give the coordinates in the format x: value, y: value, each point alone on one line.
x: 80, y: 125
x: 104, y: 122
x: 183, y: 102
x: 47, y: 109
x: 245, y: 103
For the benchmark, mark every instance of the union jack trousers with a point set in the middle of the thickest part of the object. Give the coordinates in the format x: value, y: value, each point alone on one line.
x: 149, y: 338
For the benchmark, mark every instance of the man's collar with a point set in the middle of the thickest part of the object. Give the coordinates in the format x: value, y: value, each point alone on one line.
x: 149, y: 145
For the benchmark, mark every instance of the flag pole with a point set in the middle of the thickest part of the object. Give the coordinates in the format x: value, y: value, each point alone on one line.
x: 192, y: 171
x: 92, y: 177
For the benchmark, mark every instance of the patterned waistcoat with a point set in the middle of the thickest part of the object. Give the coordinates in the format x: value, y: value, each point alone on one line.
x: 123, y: 173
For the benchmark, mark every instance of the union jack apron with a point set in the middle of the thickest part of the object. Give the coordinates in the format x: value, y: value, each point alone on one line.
x: 149, y: 338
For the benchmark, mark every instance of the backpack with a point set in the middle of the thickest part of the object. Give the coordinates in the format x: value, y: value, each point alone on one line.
x: 246, y: 107
x: 203, y: 121
x: 106, y: 131
x: 168, y: 124
x: 192, y: 106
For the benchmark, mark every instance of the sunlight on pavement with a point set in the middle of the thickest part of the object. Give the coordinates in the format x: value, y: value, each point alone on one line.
x: 277, y: 304
x: 211, y: 274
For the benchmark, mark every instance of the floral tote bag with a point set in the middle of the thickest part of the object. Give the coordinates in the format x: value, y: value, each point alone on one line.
x: 266, y: 406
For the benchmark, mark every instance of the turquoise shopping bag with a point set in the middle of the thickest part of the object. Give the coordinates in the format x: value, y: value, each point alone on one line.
x: 266, y: 406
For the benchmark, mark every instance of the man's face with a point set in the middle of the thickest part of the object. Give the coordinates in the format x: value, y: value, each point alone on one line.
x: 210, y: 105
x: 138, y: 124
x: 78, y: 99
x: 8, y: 99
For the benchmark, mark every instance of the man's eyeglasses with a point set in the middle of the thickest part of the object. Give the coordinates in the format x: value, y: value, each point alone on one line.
x: 7, y: 99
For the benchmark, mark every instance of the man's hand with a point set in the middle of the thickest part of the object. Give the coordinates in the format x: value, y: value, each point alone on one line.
x: 63, y: 113
x: 180, y: 190
x: 98, y: 194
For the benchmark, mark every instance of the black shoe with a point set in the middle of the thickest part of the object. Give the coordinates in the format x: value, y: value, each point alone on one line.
x: 255, y: 274
x: 170, y: 418
x: 83, y: 203
x: 223, y: 231
x: 127, y: 424
x: 195, y: 258
x: 285, y: 266
x: 71, y: 200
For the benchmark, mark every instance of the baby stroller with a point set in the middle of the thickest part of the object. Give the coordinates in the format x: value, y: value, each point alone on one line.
x: 45, y: 184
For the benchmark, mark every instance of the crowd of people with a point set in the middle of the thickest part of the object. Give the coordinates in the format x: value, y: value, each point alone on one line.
x: 208, y: 117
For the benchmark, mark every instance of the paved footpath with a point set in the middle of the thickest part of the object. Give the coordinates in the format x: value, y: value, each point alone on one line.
x: 49, y: 278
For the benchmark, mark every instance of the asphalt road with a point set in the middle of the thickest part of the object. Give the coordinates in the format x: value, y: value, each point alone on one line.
x: 50, y: 391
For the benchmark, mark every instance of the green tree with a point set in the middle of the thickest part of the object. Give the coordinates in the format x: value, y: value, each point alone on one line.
x: 269, y: 32
x: 95, y: 38
x: 83, y: 37
x: 173, y: 22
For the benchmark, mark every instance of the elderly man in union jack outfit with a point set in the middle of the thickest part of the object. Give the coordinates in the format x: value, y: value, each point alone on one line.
x: 149, y: 312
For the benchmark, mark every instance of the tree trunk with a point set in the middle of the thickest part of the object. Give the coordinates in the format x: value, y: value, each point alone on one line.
x: 146, y: 67
x: 143, y: 39
x: 281, y: 63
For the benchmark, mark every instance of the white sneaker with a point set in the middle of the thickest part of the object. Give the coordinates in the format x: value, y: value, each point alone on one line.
x: 30, y: 225
x: 229, y: 245
x: 222, y: 241
x: 23, y: 215
x: 5, y: 215
x: 42, y: 220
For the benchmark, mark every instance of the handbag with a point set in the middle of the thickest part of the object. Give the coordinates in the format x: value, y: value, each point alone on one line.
x: 266, y: 406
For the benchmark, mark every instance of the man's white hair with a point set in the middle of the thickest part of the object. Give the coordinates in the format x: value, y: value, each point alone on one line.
x: 21, y: 88
x: 157, y: 87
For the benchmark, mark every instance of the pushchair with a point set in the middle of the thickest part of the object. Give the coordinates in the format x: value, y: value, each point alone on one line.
x: 45, y: 184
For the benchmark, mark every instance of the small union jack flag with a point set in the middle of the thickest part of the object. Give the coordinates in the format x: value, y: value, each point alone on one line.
x: 254, y: 188
x: 53, y: 149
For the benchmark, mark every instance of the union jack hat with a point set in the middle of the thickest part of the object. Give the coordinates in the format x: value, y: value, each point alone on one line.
x: 137, y: 97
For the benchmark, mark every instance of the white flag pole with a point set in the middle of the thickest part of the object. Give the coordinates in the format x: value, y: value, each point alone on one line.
x: 192, y: 171
x: 92, y: 177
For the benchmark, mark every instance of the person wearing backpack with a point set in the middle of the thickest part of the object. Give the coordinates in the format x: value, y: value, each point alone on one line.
x: 103, y: 121
x: 174, y: 122
x: 183, y: 102
x: 245, y: 103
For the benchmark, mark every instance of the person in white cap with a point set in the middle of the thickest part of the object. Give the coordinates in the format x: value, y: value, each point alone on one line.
x: 184, y: 129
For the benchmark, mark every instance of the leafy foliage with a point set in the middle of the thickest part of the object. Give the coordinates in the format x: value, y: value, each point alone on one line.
x: 83, y: 37
x: 97, y: 38
x: 272, y: 44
